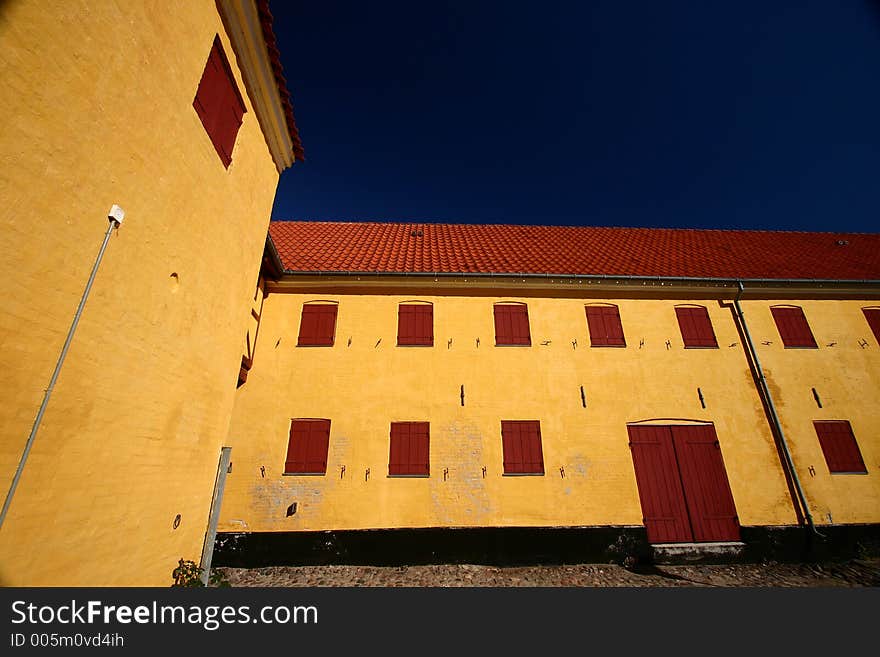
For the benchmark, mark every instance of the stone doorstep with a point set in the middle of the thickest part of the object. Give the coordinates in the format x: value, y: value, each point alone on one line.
x: 683, y: 553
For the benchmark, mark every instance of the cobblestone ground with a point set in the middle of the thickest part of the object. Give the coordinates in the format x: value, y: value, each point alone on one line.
x: 850, y: 573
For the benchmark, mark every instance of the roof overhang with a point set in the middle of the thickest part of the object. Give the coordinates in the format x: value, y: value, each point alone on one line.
x: 242, y: 21
x: 576, y: 285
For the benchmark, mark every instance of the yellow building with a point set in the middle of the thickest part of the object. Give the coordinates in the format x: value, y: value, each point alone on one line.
x: 177, y: 113
x: 380, y: 392
x: 430, y: 392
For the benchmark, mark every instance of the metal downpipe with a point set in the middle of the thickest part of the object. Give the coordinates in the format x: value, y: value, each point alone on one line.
x: 765, y: 390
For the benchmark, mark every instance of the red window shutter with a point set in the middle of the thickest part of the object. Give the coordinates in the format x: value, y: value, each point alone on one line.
x: 415, y: 324
x: 218, y: 103
x: 512, y: 447
x: 521, y: 443
x: 503, y: 329
x: 605, y: 327
x: 793, y: 327
x: 211, y: 92
x: 317, y: 326
x: 409, y: 449
x: 297, y: 445
x: 307, y: 447
x: 873, y: 317
x: 696, y: 327
x: 512, y: 324
x: 839, y: 446
x: 419, y: 438
x: 398, y: 457
x: 228, y: 123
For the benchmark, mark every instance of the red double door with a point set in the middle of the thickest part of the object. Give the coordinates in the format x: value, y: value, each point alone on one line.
x: 682, y: 484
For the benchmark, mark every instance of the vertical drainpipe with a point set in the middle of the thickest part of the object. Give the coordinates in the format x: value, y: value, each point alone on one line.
x: 765, y: 391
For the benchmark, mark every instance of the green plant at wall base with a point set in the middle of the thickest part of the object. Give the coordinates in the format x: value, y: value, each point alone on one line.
x: 187, y: 573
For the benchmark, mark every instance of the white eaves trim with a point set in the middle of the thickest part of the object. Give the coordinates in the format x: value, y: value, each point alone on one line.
x: 242, y: 24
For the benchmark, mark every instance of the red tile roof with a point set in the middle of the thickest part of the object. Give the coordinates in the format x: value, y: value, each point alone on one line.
x: 508, y: 249
x: 275, y: 60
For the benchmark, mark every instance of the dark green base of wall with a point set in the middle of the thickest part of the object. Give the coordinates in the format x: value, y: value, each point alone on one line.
x: 511, y: 546
x: 795, y: 544
x: 396, y: 547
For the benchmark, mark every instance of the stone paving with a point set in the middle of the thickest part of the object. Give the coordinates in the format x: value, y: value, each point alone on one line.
x: 850, y: 573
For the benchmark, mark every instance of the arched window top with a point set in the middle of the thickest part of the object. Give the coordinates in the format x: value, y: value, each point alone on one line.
x: 666, y: 421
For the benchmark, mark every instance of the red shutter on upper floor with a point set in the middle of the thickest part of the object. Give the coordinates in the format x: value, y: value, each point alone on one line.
x: 307, y: 447
x: 839, y: 446
x: 521, y: 444
x: 218, y: 103
x: 873, y: 317
x: 793, y: 327
x: 409, y: 449
x: 696, y: 327
x: 605, y: 327
x: 415, y: 324
x: 512, y: 324
x: 211, y: 91
x: 317, y: 326
x: 228, y: 123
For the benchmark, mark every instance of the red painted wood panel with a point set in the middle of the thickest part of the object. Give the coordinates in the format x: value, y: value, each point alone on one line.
x: 410, y: 449
x: 605, y: 327
x: 839, y: 446
x: 512, y: 446
x: 660, y: 493
x: 512, y: 324
x: 218, y: 103
x: 399, y: 450
x: 696, y: 327
x: 793, y: 327
x: 420, y: 459
x: 415, y: 324
x: 873, y: 317
x: 211, y: 90
x: 317, y: 326
x: 521, y: 443
x: 307, y: 447
x: 704, y: 480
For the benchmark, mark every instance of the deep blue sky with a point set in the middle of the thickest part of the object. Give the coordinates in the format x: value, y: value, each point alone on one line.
x: 747, y: 114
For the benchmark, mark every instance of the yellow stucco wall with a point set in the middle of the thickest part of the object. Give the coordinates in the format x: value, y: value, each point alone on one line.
x: 846, y: 376
x: 97, y: 109
x: 364, y: 386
